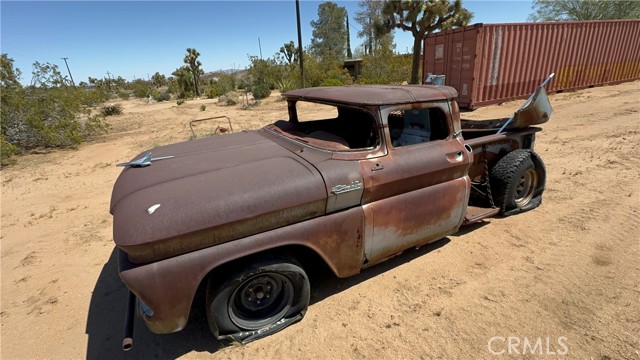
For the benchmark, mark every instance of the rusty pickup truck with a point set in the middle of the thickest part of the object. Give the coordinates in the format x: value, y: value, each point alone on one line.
x: 381, y: 169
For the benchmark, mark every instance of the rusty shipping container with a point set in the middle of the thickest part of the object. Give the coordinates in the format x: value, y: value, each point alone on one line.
x: 493, y: 63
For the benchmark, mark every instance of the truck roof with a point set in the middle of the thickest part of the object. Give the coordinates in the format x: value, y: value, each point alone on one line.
x: 374, y: 94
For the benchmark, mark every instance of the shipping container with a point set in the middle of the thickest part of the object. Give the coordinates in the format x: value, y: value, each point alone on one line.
x: 493, y: 63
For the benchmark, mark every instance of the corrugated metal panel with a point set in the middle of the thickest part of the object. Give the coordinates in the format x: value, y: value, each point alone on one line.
x: 498, y: 62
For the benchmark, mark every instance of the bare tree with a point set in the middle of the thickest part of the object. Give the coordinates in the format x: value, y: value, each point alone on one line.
x: 367, y: 17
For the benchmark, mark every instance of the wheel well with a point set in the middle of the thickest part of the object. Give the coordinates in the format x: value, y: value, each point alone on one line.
x: 541, y: 170
x: 307, y: 258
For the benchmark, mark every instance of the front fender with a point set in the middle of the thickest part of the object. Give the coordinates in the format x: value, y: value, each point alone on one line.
x: 168, y: 286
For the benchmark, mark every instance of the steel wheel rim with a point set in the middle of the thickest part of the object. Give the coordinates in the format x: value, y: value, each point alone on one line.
x: 526, y: 187
x: 261, y: 300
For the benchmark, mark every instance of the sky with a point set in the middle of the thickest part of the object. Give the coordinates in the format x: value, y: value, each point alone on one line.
x: 134, y: 39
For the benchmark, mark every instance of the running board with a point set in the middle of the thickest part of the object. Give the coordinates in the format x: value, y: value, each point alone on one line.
x: 475, y: 214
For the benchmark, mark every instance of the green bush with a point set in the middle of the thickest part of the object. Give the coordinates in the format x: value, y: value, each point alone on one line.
x: 214, y: 91
x: 333, y: 82
x: 123, y: 95
x: 221, y: 85
x: 94, y: 126
x: 385, y: 68
x: 203, y: 107
x: 243, y: 83
x: 180, y: 102
x: 260, y: 91
x: 228, y: 99
x: 91, y: 97
x: 7, y: 150
x: 143, y: 89
x: 48, y: 114
x: 185, y: 95
x: 111, y: 110
x: 164, y: 96
x: 286, y: 85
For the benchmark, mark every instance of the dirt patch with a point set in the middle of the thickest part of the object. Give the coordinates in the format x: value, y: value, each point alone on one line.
x: 568, y: 269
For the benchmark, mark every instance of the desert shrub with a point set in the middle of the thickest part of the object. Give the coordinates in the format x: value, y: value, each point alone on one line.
x: 328, y: 72
x: 220, y: 85
x: 92, y: 97
x: 7, y: 150
x: 385, y: 68
x: 47, y: 114
x: 264, y: 71
x: 214, y: 90
x: 333, y: 82
x: 182, y: 84
x: 227, y: 82
x: 123, y: 95
x: 243, y: 83
x: 260, y: 91
x: 143, y: 89
x: 180, y: 102
x: 203, y: 107
x: 164, y: 96
x: 228, y: 99
x: 111, y: 110
x: 94, y: 126
x: 185, y: 94
x: 286, y: 85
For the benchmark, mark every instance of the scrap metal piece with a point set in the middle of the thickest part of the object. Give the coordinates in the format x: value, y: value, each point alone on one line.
x: 222, y: 129
x: 127, y: 341
x: 535, y: 110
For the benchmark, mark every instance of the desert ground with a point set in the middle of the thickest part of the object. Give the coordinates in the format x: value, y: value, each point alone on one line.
x: 567, y: 273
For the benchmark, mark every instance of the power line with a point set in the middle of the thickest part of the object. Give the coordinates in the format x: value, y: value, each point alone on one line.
x: 65, y: 62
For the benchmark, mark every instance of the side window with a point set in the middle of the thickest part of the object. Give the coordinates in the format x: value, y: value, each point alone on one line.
x: 415, y: 126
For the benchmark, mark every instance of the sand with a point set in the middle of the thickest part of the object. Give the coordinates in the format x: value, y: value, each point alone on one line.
x: 566, y: 274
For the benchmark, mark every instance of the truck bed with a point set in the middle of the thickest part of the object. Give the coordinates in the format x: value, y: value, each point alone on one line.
x: 537, y: 110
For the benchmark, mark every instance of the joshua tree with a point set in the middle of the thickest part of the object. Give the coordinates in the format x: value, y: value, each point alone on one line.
x: 422, y: 18
x: 191, y: 59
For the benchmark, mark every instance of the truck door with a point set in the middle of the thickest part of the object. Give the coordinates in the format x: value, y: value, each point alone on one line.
x: 418, y: 193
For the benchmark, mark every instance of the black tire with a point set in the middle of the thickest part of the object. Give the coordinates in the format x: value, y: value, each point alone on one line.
x: 517, y: 182
x: 257, y: 299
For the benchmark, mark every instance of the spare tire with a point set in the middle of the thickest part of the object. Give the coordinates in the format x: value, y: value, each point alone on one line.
x: 517, y: 182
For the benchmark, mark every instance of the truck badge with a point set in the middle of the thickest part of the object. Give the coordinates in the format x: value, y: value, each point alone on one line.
x: 341, y: 189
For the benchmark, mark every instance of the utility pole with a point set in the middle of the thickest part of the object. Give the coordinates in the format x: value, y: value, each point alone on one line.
x: 260, y: 46
x: 349, y: 54
x: 65, y: 62
x: 109, y: 77
x: 300, y: 44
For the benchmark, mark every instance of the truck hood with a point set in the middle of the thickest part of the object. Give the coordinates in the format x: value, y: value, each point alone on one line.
x: 211, y: 191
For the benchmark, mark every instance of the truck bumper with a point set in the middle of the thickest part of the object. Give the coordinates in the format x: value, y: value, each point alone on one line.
x: 145, y: 280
